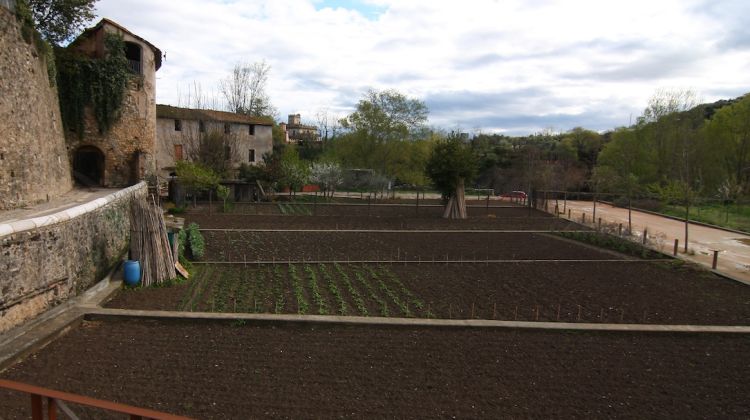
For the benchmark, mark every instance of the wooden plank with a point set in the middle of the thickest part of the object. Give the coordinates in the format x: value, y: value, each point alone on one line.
x: 180, y: 269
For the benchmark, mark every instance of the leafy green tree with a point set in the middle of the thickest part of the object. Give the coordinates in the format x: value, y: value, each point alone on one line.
x: 59, y: 20
x: 294, y: 172
x: 451, y: 164
x: 729, y: 130
x: 382, y: 120
x: 196, y: 177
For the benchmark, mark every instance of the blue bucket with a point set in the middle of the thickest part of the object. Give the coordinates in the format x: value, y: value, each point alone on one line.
x: 132, y: 272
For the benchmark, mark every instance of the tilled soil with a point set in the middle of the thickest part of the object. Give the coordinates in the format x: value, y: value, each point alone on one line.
x: 375, y: 246
x: 362, y: 209
x: 222, y: 371
x: 232, y: 221
x: 599, y: 292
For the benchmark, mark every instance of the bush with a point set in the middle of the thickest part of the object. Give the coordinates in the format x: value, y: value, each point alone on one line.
x: 195, y: 242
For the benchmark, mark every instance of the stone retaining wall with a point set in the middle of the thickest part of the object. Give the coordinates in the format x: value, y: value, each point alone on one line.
x: 34, y: 165
x: 46, y: 260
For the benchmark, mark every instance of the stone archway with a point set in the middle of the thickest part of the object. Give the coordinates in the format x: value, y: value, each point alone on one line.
x: 88, y: 166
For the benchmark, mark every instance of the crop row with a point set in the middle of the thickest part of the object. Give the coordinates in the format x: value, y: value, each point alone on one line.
x: 320, y: 289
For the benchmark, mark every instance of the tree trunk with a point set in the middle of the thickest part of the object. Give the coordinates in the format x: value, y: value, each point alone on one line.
x: 456, y: 207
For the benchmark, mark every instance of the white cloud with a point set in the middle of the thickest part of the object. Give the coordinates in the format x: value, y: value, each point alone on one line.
x: 505, y: 65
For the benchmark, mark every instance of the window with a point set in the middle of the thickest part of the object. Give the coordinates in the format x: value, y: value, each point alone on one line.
x: 133, y: 55
x: 201, y: 127
x: 227, y: 128
x: 177, y: 125
x: 251, y: 130
x: 177, y: 152
x: 251, y: 157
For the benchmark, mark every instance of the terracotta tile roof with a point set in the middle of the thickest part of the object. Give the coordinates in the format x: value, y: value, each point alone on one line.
x: 168, y: 111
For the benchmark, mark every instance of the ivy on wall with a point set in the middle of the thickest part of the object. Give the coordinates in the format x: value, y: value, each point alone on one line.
x: 97, y: 82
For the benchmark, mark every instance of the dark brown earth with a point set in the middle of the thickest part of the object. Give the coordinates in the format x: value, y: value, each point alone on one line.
x: 279, y: 222
x: 221, y: 371
x: 375, y: 246
x: 609, y: 292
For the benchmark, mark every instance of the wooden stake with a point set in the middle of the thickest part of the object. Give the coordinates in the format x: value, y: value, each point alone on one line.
x: 558, y: 311
x: 515, y: 313
x: 450, y: 311
x: 472, y: 310
x: 579, y: 313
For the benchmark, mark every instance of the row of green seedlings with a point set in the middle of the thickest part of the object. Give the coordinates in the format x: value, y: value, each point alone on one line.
x: 265, y: 290
x: 294, y: 209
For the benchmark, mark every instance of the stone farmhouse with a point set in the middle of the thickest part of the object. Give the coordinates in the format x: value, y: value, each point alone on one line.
x: 126, y: 153
x: 295, y: 131
x: 179, y: 132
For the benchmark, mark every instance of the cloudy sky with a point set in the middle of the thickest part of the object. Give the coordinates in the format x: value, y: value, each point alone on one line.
x: 509, y: 66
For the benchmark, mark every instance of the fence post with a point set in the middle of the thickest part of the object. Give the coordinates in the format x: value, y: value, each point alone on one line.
x: 583, y: 218
x: 569, y: 216
x: 676, y: 246
x: 619, y: 230
x: 599, y: 224
x: 645, y: 235
x: 716, y: 259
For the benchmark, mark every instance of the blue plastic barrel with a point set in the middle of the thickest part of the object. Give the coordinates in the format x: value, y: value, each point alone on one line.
x: 132, y: 272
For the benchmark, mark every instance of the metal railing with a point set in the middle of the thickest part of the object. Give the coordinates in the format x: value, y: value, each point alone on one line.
x: 57, y: 399
x: 133, y: 65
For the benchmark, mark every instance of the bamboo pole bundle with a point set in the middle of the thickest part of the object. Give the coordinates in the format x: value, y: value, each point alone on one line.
x: 149, y: 243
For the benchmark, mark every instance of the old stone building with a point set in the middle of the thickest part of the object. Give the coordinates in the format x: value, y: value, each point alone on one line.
x: 295, y: 131
x: 180, y: 131
x: 126, y: 153
x: 34, y: 165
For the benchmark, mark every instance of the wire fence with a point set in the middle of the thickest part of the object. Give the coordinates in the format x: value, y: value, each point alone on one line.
x: 727, y: 213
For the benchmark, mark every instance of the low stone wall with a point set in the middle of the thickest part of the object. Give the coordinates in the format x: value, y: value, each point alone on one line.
x: 46, y: 260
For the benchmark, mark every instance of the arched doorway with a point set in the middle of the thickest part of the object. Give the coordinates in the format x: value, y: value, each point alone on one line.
x: 88, y: 166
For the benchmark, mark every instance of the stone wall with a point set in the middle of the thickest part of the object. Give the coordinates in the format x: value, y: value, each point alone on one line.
x: 34, y: 165
x: 46, y: 260
x: 129, y: 147
x: 239, y: 140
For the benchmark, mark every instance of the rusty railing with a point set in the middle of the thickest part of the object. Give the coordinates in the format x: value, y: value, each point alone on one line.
x: 56, y: 399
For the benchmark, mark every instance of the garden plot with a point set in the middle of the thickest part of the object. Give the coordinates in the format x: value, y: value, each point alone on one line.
x: 385, y: 246
x: 220, y: 370
x: 593, y: 292
x: 233, y: 221
x: 363, y: 209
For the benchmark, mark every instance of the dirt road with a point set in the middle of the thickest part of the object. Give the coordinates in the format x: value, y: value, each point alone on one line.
x: 734, y: 248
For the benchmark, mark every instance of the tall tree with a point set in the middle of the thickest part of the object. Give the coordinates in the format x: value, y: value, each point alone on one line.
x: 245, y: 90
x: 730, y: 131
x: 59, y: 20
x: 451, y: 164
x: 383, y: 118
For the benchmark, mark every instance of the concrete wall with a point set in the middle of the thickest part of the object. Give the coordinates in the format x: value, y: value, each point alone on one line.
x: 240, y: 139
x: 130, y: 145
x: 46, y: 260
x: 34, y: 163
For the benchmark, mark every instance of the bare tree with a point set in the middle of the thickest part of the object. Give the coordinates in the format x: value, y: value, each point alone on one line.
x: 245, y: 90
x: 196, y: 98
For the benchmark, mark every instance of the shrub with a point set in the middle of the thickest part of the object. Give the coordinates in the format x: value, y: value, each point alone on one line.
x: 196, y: 242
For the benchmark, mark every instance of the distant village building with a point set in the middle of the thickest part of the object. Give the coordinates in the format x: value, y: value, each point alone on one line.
x: 126, y: 153
x: 179, y: 132
x: 295, y: 131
